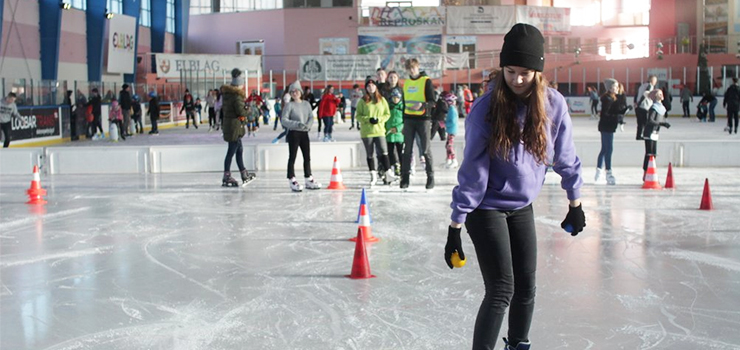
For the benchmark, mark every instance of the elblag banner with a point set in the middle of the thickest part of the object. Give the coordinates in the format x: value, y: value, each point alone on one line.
x: 171, y: 65
x: 121, y: 44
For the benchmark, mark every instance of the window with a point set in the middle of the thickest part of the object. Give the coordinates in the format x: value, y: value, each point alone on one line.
x: 115, y: 6
x: 170, y: 25
x: 79, y: 4
x: 201, y: 6
x: 145, y: 17
x: 250, y: 5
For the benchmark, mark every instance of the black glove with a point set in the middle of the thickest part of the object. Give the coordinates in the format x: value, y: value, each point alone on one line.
x: 575, y: 221
x: 373, y: 120
x: 453, y: 244
x: 665, y: 125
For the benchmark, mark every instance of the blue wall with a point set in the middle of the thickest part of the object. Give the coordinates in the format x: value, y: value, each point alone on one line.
x: 133, y: 8
x: 96, y: 22
x: 50, y: 27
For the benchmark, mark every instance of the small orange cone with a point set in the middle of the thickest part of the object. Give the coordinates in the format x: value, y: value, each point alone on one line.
x: 651, y: 176
x: 364, y: 226
x: 669, y: 178
x: 360, y: 265
x: 35, y: 192
x: 706, y: 197
x: 336, y: 182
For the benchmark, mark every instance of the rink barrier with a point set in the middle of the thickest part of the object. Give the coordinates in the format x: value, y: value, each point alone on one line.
x: 274, y: 157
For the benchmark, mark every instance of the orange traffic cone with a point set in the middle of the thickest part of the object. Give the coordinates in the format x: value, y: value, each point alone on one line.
x: 336, y: 182
x: 706, y: 197
x: 35, y: 192
x: 651, y: 176
x: 360, y: 265
x: 364, y: 226
x: 669, y: 178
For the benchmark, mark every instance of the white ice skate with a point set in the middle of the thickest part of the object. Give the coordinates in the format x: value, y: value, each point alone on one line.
x: 610, y: 179
x: 295, y: 186
x: 373, y: 178
x: 390, y: 176
x: 312, y: 184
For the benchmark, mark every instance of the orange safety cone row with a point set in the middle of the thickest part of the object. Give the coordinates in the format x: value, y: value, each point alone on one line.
x: 336, y: 182
x: 364, y: 226
x: 651, y: 176
x: 360, y: 264
x: 669, y: 179
x: 706, y: 197
x: 35, y: 192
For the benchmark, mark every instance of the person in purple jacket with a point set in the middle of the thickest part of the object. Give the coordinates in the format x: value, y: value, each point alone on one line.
x: 514, y: 131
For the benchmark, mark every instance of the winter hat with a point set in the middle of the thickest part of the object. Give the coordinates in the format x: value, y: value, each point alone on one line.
x: 237, y: 79
x: 609, y: 84
x: 295, y: 86
x: 152, y: 94
x: 396, y: 93
x: 524, y: 46
x: 369, y: 80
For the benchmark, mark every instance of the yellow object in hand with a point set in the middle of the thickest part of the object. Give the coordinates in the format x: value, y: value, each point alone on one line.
x: 456, y: 262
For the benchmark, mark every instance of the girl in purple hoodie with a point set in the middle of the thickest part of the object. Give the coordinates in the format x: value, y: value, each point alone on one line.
x: 517, y: 128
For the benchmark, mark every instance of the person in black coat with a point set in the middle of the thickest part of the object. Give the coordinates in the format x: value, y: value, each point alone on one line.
x: 125, y: 101
x: 153, y: 112
x: 732, y: 104
x: 612, y: 106
x: 95, y: 101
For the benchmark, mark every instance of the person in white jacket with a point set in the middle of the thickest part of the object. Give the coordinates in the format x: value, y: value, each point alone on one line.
x: 8, y: 110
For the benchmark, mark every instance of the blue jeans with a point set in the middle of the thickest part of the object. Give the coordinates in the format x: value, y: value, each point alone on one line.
x: 711, y: 109
x: 607, y: 146
x: 328, y: 125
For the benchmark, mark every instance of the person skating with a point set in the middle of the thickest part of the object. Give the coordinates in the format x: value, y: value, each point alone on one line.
x: 298, y: 119
x: 233, y: 125
x: 611, y: 108
x: 372, y: 113
x: 418, y: 94
x: 188, y: 105
x: 655, y: 119
x: 450, y: 121
x: 394, y: 130
x: 508, y: 134
x: 153, y: 112
x: 643, y: 103
x: 8, y: 110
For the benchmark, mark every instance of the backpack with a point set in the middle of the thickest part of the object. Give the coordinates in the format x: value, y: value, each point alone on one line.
x: 89, y: 114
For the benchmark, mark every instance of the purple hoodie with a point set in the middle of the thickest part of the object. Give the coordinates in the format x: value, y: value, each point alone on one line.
x: 495, y: 184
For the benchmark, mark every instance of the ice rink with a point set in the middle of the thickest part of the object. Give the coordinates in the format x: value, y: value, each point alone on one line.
x: 174, y: 261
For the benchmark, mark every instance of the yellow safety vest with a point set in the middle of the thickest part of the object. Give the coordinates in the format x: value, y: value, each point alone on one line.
x: 413, y: 93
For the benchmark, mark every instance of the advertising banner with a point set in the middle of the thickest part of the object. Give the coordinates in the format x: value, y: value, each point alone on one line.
x: 389, y: 42
x: 549, y: 20
x: 407, y: 16
x: 121, y: 44
x: 171, y: 65
x: 480, y: 19
x: 358, y: 67
x: 334, y: 46
x: 35, y: 123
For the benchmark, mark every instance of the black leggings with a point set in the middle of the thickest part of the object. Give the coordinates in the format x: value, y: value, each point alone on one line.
x: 732, y: 116
x: 506, y: 246
x: 6, y: 134
x: 641, y: 115
x: 595, y: 107
x: 298, y: 139
x: 651, y: 149
x: 235, y: 147
x: 211, y: 117
x: 395, y: 152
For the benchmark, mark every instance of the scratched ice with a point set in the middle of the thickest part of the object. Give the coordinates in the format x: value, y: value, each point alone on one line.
x: 177, y: 262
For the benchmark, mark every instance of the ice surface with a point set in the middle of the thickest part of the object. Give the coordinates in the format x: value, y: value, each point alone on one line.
x: 175, y: 261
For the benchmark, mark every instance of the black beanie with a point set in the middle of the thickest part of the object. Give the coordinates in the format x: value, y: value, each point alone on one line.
x: 524, y: 46
x: 369, y: 80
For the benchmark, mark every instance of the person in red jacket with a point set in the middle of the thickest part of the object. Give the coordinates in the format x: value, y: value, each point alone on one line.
x: 327, y: 109
x: 255, y: 97
x: 469, y: 99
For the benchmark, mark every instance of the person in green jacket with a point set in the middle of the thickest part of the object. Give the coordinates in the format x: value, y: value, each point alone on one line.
x: 233, y: 127
x: 394, y: 130
x: 372, y: 113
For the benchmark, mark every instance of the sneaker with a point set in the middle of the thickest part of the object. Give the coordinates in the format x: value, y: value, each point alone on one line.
x: 597, y: 177
x: 610, y: 179
x: 295, y: 186
x: 311, y: 184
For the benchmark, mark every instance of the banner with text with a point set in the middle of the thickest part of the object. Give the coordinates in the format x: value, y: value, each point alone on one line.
x: 35, y: 123
x: 407, y: 16
x: 549, y: 20
x: 480, y: 19
x: 389, y: 42
x: 121, y: 44
x: 172, y: 65
x: 358, y: 67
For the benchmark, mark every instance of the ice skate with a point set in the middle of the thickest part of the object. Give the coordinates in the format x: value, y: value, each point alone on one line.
x: 389, y: 177
x: 430, y: 182
x: 247, y: 177
x: 597, y: 177
x: 373, y: 178
x: 453, y: 164
x: 520, y: 346
x: 312, y: 184
x: 610, y: 179
x: 229, y: 181
x: 404, y: 181
x: 295, y: 186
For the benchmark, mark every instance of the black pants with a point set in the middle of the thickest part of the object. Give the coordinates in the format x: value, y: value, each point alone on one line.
x: 6, y: 134
x: 395, y: 152
x: 506, y: 245
x: 732, y: 116
x: 595, y: 107
x: 137, y: 123
x: 437, y: 127
x: 686, y: 112
x: 96, y: 125
x: 298, y: 139
x: 412, y: 128
x: 651, y: 149
x: 211, y: 117
x: 641, y: 119
x: 190, y: 115
x: 154, y: 126
x: 235, y: 147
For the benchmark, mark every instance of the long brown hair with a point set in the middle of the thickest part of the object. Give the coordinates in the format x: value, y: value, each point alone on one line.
x: 375, y: 97
x: 505, y: 129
